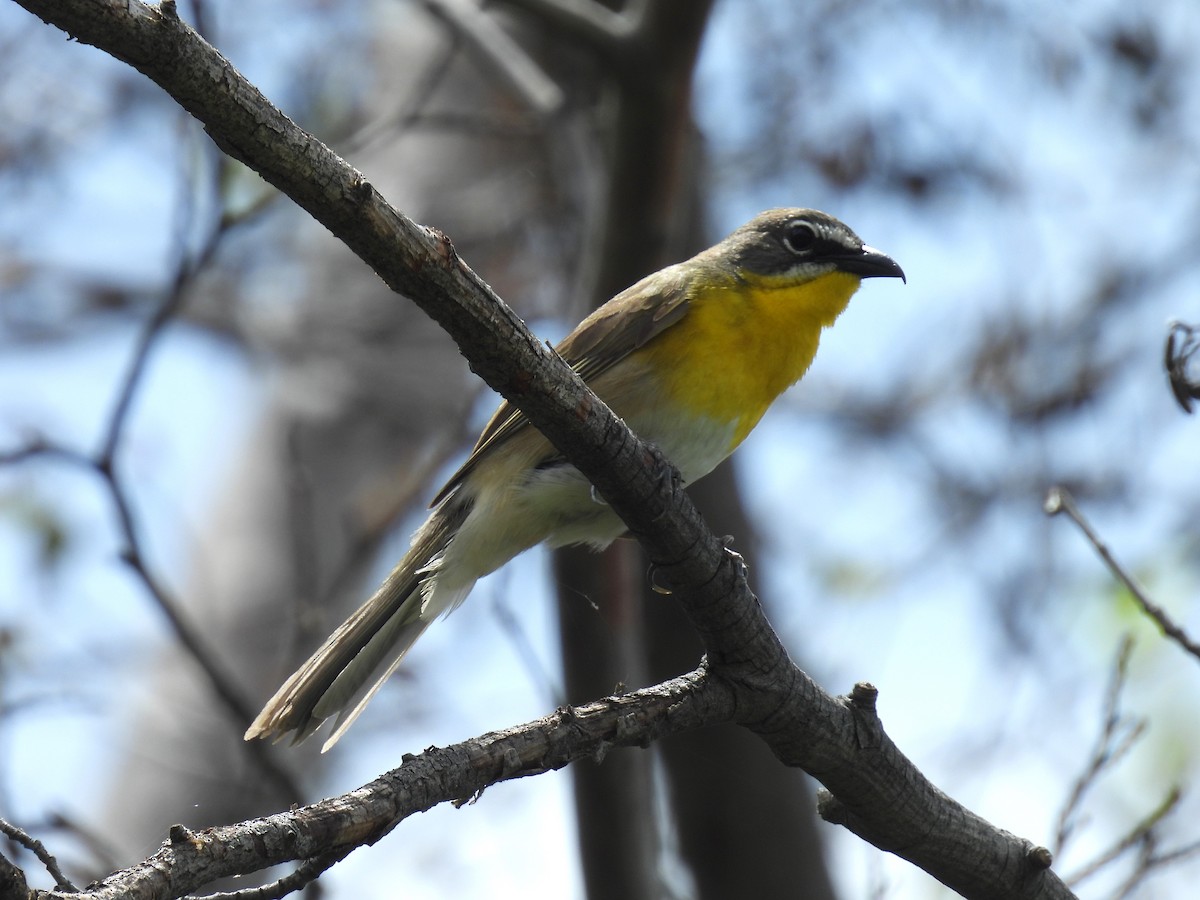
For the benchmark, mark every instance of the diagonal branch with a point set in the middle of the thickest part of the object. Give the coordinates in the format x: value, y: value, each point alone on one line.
x: 1059, y: 499
x: 458, y: 773
x: 589, y: 22
x: 189, y: 636
x: 501, y: 54
x: 38, y: 849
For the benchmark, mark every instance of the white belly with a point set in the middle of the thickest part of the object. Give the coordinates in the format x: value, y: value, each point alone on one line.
x: 555, y: 504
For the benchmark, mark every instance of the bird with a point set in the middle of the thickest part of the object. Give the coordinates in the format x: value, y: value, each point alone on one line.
x: 691, y: 357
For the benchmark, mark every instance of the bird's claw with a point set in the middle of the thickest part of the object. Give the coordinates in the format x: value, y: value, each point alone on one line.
x: 727, y: 544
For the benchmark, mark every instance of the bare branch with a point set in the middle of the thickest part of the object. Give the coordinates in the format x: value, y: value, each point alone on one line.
x: 1058, y: 500
x: 1112, y: 744
x: 1150, y: 861
x: 38, y: 849
x: 1140, y: 835
x: 513, y: 627
x: 306, y: 873
x: 186, y: 633
x: 501, y: 54
x: 185, y: 273
x: 413, y: 106
x: 589, y: 22
x: 104, y: 856
x: 897, y: 791
x: 192, y: 859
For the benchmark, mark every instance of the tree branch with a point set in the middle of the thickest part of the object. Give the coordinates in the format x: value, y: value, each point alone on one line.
x: 38, y: 849
x: 594, y: 24
x: 1059, y: 500
x: 190, y: 637
x: 502, y: 55
x: 459, y: 774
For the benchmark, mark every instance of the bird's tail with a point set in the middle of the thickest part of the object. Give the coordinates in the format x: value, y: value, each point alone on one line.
x: 343, y: 675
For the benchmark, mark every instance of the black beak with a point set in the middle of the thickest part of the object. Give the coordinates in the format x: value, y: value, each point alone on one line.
x: 871, y: 263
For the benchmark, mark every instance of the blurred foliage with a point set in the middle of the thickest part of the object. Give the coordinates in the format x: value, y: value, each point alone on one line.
x: 41, y: 521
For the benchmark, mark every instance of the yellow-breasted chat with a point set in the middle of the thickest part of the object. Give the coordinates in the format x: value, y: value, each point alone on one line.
x: 691, y: 357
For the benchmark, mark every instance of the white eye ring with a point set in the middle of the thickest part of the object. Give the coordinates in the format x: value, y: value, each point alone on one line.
x: 799, y: 237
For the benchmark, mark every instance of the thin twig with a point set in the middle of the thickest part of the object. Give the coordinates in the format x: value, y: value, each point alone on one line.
x: 185, y: 272
x: 105, y: 857
x: 306, y: 873
x: 366, y: 532
x: 194, y: 642
x: 1150, y: 861
x: 1058, y: 500
x: 190, y: 637
x: 302, y: 519
x: 1110, y: 747
x: 426, y: 84
x: 104, y: 464
x: 474, y: 124
x: 513, y: 626
x: 588, y: 22
x: 186, y: 633
x: 497, y: 50
x: 1139, y: 834
x: 38, y: 849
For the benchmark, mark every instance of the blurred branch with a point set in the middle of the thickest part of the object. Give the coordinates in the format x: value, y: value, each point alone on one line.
x: 185, y: 272
x: 1151, y: 860
x: 594, y: 24
x: 1112, y: 745
x: 501, y: 54
x: 474, y: 124
x: 1141, y: 835
x: 104, y: 464
x: 1182, y: 351
x: 105, y: 857
x: 188, y: 636
x: 38, y: 849
x: 879, y: 794
x: 513, y: 627
x: 1116, y: 738
x: 413, y: 106
x: 1058, y: 500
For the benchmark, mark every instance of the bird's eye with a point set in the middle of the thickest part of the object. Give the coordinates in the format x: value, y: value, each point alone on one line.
x: 799, y: 236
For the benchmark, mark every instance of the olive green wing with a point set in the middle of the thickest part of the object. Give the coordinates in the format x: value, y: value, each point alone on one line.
x: 626, y: 322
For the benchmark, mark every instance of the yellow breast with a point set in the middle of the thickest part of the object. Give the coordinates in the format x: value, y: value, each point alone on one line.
x: 740, y: 346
